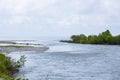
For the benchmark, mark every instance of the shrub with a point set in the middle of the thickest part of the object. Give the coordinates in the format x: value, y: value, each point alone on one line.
x: 9, y: 66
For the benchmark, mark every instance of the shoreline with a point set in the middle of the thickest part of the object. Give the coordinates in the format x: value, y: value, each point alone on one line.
x: 69, y: 41
x: 13, y: 46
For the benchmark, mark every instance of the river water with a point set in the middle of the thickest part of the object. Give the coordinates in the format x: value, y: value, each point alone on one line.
x: 67, y: 61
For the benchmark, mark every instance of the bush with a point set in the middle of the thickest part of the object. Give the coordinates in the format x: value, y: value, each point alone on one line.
x: 9, y: 66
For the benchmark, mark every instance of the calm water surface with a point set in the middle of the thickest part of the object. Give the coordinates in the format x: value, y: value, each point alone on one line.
x: 64, y: 61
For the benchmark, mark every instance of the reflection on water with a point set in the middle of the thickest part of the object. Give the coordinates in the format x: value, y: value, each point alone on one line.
x: 65, y: 61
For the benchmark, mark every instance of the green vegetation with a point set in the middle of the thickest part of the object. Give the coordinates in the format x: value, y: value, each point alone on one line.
x: 103, y: 38
x: 13, y: 46
x: 8, y: 67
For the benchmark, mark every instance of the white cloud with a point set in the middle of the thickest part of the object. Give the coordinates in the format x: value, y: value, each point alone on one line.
x: 60, y: 14
x: 41, y: 4
x: 16, y: 6
x: 67, y: 22
x: 24, y: 6
x: 19, y: 20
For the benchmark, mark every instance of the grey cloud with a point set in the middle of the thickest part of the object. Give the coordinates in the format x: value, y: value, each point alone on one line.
x: 70, y: 16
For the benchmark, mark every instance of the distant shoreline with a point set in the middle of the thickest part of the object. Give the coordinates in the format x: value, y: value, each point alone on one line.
x: 69, y: 41
x: 104, y: 38
x: 8, y: 46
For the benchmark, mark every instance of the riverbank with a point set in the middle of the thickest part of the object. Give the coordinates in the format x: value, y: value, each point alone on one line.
x: 8, y: 49
x: 9, y: 67
x: 13, y: 46
x: 105, y: 38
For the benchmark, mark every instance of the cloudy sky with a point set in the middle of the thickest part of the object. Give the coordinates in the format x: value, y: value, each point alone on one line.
x: 35, y: 18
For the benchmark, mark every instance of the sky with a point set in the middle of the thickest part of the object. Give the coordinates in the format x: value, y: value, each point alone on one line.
x: 35, y: 18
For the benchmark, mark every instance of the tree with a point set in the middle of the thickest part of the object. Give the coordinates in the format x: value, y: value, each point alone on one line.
x: 116, y: 40
x: 109, y: 39
x: 75, y: 38
x: 83, y: 38
x: 105, y: 35
x: 92, y: 39
x: 103, y: 38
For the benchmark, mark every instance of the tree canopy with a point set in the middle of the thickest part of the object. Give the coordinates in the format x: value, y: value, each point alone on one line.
x: 103, y: 38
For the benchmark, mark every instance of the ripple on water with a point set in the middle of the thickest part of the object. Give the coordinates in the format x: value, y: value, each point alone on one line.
x: 73, y: 62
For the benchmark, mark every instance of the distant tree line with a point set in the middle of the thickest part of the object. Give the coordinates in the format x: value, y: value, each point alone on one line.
x: 103, y: 38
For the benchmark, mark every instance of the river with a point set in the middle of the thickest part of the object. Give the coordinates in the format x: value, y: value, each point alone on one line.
x: 67, y: 61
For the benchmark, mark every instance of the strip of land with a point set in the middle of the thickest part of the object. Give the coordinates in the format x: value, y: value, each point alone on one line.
x: 10, y: 46
x: 105, y: 38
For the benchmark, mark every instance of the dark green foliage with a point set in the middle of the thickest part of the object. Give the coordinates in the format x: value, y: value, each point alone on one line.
x: 83, y: 38
x: 116, y: 40
x: 8, y: 66
x: 79, y: 38
x: 103, y: 38
x: 92, y: 39
x: 76, y: 38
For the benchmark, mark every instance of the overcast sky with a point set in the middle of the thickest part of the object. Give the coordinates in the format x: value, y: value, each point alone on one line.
x: 31, y: 18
